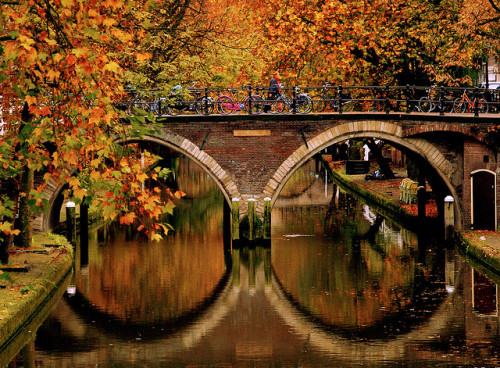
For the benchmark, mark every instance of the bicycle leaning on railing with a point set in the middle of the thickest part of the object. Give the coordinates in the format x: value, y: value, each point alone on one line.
x: 327, y: 98
x: 465, y: 104
x: 226, y: 104
x: 283, y: 103
x: 331, y: 98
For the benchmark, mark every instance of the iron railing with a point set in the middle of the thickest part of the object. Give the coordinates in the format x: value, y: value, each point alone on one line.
x: 314, y: 100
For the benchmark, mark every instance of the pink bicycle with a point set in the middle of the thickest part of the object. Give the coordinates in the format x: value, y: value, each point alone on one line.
x: 226, y: 104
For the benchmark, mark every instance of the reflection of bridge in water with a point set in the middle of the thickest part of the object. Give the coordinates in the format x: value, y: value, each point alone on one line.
x: 251, y: 316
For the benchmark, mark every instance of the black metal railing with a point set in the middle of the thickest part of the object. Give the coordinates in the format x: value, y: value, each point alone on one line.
x: 328, y: 98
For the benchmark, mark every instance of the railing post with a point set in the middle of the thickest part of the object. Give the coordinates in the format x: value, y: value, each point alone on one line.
x: 387, y: 104
x: 409, y: 106
x: 206, y: 100
x: 476, y: 101
x: 294, y: 100
x: 250, y: 98
x: 441, y: 100
x: 340, y: 99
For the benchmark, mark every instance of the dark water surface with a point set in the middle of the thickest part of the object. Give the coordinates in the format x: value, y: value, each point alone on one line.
x: 338, y: 286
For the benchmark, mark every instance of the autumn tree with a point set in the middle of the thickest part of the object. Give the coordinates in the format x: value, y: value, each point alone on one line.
x: 207, y: 41
x: 373, y: 42
x: 62, y: 64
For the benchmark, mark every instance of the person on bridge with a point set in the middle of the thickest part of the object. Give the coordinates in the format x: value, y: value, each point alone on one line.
x: 274, y: 88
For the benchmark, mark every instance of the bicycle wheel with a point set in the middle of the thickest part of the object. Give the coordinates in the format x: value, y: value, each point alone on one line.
x: 176, y: 106
x: 318, y: 104
x: 225, y: 105
x: 482, y: 105
x: 347, y: 106
x: 425, y: 105
x: 459, y: 106
x: 204, y: 106
x: 303, y: 103
x: 284, y: 104
x: 162, y: 107
x: 257, y: 104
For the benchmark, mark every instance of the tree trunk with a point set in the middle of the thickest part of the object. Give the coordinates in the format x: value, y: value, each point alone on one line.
x: 4, y: 248
x: 25, y: 222
x: 382, y: 163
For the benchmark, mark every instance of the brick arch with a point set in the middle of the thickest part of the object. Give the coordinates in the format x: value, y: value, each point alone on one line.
x: 180, y: 144
x: 440, y: 127
x: 176, y: 142
x: 365, y: 129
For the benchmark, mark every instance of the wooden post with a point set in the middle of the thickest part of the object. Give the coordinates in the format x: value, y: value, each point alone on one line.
x: 236, y: 219
x: 84, y: 223
x: 449, y: 217
x: 71, y: 222
x: 236, y: 267
x: 421, y: 203
x: 251, y: 218
x: 267, y: 218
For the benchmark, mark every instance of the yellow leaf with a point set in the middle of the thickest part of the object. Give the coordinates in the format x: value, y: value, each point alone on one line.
x: 95, y: 175
x: 178, y: 194
x: 80, y: 193
x: 30, y: 100
x: 142, y: 57
x: 74, y: 182
x: 112, y: 67
x: 142, y: 177
x: 156, y: 237
x: 52, y: 74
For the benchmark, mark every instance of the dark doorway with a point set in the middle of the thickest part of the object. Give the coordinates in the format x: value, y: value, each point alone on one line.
x: 483, y: 200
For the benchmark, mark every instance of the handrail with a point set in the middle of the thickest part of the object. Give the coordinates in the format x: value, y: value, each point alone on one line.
x: 327, y: 98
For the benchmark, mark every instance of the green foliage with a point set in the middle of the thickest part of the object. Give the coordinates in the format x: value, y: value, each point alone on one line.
x: 6, y: 276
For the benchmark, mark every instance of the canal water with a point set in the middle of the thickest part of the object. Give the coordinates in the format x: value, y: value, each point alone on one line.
x: 337, y: 286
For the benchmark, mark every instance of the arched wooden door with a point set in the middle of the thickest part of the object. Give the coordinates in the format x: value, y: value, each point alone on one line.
x: 483, y: 200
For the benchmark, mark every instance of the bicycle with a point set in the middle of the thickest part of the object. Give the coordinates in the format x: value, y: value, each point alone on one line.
x: 428, y: 103
x: 325, y: 101
x: 432, y: 102
x: 464, y: 103
x: 227, y: 105
x: 284, y: 103
x: 176, y: 104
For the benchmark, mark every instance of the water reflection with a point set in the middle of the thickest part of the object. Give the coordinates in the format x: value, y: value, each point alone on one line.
x: 362, y: 278
x: 339, y: 286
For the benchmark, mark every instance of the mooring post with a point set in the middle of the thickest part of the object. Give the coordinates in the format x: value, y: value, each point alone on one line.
x: 84, y: 223
x: 71, y: 222
x: 449, y: 217
x: 251, y: 218
x: 267, y: 218
x: 235, y: 224
x: 236, y: 267
x: 421, y: 203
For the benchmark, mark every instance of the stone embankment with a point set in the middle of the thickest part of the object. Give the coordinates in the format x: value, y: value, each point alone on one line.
x: 30, y: 284
x: 481, y: 245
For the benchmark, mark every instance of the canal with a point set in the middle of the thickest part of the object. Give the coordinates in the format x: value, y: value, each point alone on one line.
x: 337, y: 286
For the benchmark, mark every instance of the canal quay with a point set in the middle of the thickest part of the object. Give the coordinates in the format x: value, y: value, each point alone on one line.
x: 482, y: 245
x: 341, y: 285
x: 30, y: 285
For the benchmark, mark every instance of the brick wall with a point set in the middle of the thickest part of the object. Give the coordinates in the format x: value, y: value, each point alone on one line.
x: 476, y: 157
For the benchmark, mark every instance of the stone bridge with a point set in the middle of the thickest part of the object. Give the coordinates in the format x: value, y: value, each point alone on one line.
x: 253, y: 156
